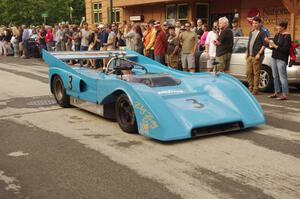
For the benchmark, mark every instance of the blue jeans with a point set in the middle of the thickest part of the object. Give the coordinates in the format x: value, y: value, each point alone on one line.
x: 42, y: 47
x: 84, y: 48
x: 151, y: 54
x: 49, y: 46
x: 160, y: 58
x: 280, y: 76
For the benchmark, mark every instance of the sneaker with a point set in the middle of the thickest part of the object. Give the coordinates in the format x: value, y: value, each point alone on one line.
x: 275, y: 95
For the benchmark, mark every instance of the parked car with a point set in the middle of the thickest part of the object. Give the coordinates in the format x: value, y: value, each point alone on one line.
x: 238, y: 66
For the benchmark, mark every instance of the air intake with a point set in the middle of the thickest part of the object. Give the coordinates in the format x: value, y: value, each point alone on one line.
x: 220, y: 128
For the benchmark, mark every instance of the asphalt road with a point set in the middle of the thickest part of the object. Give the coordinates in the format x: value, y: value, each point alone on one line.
x: 50, y: 152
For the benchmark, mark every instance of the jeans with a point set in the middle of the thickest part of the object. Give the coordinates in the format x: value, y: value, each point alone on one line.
x: 1, y: 47
x: 16, y: 48
x: 77, y: 47
x: 50, y: 46
x: 84, y: 48
x: 42, y: 47
x: 160, y: 58
x: 280, y: 75
x: 151, y: 54
x: 26, y: 48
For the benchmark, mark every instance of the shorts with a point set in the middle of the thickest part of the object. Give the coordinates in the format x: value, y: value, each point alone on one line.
x: 188, y: 61
x: 224, y: 62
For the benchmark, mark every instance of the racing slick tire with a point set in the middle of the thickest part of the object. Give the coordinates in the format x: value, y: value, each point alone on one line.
x: 125, y: 114
x: 266, y: 79
x: 59, y: 92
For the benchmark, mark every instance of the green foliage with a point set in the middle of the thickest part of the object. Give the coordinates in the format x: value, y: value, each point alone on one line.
x: 30, y: 11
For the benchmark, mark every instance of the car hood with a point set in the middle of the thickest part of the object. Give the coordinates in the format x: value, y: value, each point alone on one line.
x: 202, y: 109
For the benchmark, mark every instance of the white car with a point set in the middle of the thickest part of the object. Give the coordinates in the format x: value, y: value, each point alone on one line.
x: 238, y: 66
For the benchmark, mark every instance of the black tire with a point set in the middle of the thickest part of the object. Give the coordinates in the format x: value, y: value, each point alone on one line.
x: 266, y: 79
x: 59, y: 92
x: 125, y: 114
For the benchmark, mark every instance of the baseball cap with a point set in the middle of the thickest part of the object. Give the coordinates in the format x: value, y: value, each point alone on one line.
x: 157, y: 24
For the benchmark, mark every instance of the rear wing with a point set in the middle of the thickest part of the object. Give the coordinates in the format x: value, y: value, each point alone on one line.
x: 80, y: 55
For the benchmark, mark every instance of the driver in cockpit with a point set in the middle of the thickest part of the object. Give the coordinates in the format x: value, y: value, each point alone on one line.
x: 120, y: 63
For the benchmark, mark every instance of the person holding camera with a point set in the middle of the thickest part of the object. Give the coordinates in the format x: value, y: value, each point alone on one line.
x: 279, y: 61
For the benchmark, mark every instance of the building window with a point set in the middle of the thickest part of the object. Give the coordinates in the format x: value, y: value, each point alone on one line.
x: 171, y: 12
x: 97, y: 11
x: 116, y: 15
x: 177, y: 12
x: 202, y: 12
x: 182, y: 10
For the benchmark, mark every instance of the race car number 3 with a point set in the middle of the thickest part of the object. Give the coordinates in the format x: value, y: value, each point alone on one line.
x: 70, y: 82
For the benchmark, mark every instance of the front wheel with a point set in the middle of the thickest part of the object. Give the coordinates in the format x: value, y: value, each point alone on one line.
x: 266, y: 79
x: 125, y: 114
x: 59, y: 92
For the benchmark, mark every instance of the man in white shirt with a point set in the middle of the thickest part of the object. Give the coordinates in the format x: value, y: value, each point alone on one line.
x: 210, y: 47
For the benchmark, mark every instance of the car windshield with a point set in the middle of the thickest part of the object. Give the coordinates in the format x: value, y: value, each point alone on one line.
x: 153, y: 80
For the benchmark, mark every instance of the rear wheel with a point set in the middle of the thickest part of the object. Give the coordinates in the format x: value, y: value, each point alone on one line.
x: 125, y: 114
x: 266, y: 79
x: 59, y: 92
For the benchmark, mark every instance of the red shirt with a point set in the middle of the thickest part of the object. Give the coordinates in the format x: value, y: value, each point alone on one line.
x: 161, y: 43
x: 49, y: 36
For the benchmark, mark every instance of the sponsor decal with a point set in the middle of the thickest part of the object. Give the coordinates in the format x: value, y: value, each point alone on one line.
x: 148, y: 121
x: 170, y: 92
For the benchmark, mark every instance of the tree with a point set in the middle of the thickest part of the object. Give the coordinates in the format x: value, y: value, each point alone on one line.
x: 78, y: 10
x: 30, y: 11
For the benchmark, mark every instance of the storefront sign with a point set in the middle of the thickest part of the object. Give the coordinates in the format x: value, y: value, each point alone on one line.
x: 136, y: 18
x: 272, y: 16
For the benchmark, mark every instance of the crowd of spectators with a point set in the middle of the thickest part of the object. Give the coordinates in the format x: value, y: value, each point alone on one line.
x: 178, y: 46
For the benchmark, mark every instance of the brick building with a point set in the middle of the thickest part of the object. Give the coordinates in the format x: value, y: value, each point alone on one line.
x: 271, y: 11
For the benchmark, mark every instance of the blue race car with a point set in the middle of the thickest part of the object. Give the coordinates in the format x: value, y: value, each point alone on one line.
x: 151, y: 99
